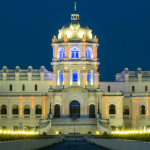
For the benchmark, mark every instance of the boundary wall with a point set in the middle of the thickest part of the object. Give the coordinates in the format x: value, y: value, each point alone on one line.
x: 116, y: 144
x: 29, y: 144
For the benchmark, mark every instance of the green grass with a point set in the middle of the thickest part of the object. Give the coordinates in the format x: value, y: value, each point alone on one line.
x: 139, y: 137
x: 12, y: 137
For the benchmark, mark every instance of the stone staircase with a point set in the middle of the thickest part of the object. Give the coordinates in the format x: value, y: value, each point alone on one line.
x: 66, y: 125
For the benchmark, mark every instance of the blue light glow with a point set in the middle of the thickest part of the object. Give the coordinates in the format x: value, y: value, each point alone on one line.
x: 60, y: 77
x: 88, y: 77
x: 74, y: 76
x: 88, y: 53
x: 61, y: 53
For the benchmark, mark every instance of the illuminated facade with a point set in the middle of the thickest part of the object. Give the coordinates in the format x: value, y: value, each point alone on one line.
x: 36, y: 97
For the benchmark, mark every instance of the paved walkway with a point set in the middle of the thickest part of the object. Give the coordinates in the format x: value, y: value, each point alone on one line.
x: 74, y: 146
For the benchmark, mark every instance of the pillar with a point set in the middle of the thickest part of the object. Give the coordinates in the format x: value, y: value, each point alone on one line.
x: 9, y: 114
x: 63, y: 107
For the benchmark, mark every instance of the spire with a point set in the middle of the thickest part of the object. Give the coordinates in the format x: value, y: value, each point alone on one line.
x: 75, y: 6
x: 75, y: 15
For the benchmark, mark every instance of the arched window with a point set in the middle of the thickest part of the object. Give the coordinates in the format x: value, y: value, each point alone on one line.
x: 89, y: 77
x: 112, y: 109
x: 108, y: 88
x: 125, y: 110
x: 23, y: 87
x: 35, y: 87
x: 88, y: 53
x: 10, y: 87
x: 61, y: 52
x: 3, y: 110
x: 74, y: 52
x: 26, y: 110
x: 146, y: 89
x: 60, y: 77
x: 15, y: 110
x: 38, y: 109
x: 142, y: 110
x: 74, y: 76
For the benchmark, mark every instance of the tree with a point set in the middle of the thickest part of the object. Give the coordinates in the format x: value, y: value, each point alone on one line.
x: 120, y: 128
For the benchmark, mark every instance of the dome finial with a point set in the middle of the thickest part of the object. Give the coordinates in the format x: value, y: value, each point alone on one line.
x: 75, y: 6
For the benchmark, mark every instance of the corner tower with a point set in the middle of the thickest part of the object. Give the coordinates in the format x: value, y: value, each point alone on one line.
x: 75, y: 59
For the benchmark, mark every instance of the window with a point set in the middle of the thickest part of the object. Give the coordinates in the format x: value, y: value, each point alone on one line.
x: 108, y: 88
x: 146, y: 89
x: 61, y: 53
x: 10, y: 87
x: 36, y: 87
x: 125, y: 110
x: 88, y: 77
x: 74, y: 52
x: 60, y: 77
x: 142, y: 110
x: 88, y: 53
x: 112, y: 109
x: 74, y: 76
x: 23, y: 87
x: 133, y: 89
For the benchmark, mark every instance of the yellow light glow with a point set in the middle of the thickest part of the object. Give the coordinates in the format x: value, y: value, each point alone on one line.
x: 4, y: 131
x: 148, y: 130
x: 8, y: 131
x: 140, y: 131
x: 56, y: 132
x: 97, y: 132
x: 0, y: 131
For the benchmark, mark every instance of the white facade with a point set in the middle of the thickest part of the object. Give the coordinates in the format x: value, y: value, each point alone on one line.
x: 29, y: 95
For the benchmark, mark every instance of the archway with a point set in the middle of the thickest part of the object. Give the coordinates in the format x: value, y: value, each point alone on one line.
x: 92, y: 111
x: 75, y: 109
x: 57, y: 111
x: 38, y: 110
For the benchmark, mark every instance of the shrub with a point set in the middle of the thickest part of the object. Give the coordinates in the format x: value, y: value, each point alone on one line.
x: 44, y: 133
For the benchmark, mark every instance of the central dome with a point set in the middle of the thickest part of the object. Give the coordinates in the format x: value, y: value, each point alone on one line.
x: 75, y: 31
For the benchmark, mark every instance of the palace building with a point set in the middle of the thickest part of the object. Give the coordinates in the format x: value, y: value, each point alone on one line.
x: 47, y: 101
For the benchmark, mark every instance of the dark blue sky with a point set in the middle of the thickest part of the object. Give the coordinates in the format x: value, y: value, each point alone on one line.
x: 122, y: 26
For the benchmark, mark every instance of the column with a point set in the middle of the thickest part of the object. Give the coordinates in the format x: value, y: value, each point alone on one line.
x: 9, y: 115
x: 134, y: 111
x: 21, y: 109
x: 44, y: 107
x: 32, y: 108
x: 147, y: 111
x: 66, y: 51
x: 106, y: 108
x: 63, y: 107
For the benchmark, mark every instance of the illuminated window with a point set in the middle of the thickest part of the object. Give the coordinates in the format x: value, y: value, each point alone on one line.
x: 133, y: 89
x: 74, y: 76
x: 36, y: 87
x: 74, y: 52
x: 146, y: 89
x: 108, y: 88
x: 60, y: 77
x: 88, y: 53
x: 10, y: 87
x: 23, y: 87
x: 74, y: 16
x: 61, y: 53
x: 88, y: 77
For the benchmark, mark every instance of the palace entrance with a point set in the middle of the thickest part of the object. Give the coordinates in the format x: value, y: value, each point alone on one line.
x: 57, y: 111
x: 92, y: 111
x: 75, y: 109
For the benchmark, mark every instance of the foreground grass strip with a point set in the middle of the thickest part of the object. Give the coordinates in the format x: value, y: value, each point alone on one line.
x: 13, y: 137
x: 139, y: 137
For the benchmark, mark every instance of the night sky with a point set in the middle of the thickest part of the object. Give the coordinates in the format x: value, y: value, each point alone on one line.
x: 122, y: 27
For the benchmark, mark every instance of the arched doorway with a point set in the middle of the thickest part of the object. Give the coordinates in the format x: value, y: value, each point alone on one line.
x: 57, y: 111
x: 74, y: 109
x: 92, y: 111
